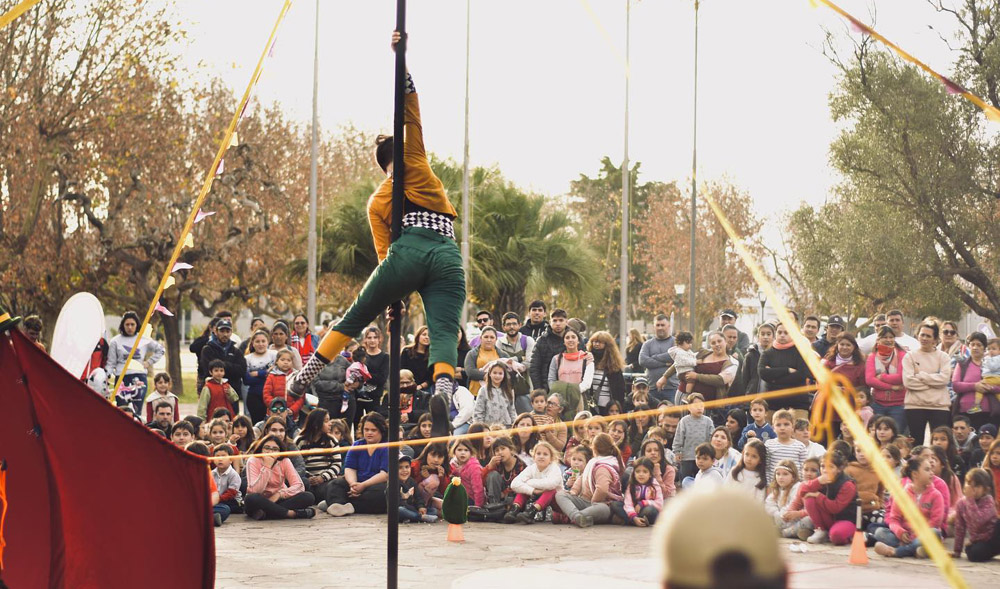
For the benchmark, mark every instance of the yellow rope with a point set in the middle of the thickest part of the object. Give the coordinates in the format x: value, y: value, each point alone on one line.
x: 17, y: 11
x: 205, y: 188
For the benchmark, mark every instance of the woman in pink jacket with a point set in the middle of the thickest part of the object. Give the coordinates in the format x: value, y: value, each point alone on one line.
x: 274, y: 489
x: 899, y: 540
x: 884, y: 374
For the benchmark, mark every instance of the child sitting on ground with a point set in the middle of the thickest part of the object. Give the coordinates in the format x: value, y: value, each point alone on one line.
x: 831, y: 502
x: 709, y: 477
x: 870, y: 488
x: 227, y: 480
x: 217, y: 391
x: 780, y: 495
x: 796, y: 511
x: 536, y: 486
x: 412, y: 507
x: 749, y: 474
x: 977, y: 513
x: 663, y: 471
x: 813, y: 449
x: 578, y: 457
x: 899, y: 540
x: 643, y: 497
x: 466, y: 466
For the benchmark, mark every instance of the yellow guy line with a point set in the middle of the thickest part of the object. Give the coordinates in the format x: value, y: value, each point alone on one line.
x: 17, y: 11
x: 516, y: 430
x: 836, y: 395
x: 206, y: 187
x: 992, y: 113
x: 607, y: 36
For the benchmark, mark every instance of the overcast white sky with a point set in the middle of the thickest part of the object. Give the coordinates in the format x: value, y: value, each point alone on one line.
x: 547, y: 87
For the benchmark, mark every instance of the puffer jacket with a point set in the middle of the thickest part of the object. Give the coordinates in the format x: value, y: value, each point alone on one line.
x: 329, y: 384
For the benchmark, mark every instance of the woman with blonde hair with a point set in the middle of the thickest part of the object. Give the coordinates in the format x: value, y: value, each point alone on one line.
x: 608, y: 383
x: 632, y: 349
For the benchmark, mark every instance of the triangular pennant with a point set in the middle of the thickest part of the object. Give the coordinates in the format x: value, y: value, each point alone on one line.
x: 188, y: 240
x: 222, y: 168
x: 170, y: 282
x: 270, y: 52
x: 235, y: 141
x: 202, y: 215
x: 952, y: 87
x: 163, y: 310
x: 181, y: 266
x: 857, y: 26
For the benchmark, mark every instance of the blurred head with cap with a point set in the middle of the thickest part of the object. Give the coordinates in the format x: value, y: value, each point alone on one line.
x: 718, y: 540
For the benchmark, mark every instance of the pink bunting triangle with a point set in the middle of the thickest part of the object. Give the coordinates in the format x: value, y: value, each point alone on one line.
x: 202, y: 215
x: 222, y: 168
x: 181, y: 266
x: 163, y: 310
x: 270, y: 52
x: 952, y: 87
x: 857, y: 26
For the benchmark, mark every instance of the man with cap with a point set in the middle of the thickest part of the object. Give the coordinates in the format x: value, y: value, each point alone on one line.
x: 834, y: 327
x: 718, y: 540
x: 728, y: 317
x: 220, y: 346
x: 639, y: 385
x: 987, y: 434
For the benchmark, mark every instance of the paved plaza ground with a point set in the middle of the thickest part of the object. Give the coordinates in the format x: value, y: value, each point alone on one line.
x: 350, y: 552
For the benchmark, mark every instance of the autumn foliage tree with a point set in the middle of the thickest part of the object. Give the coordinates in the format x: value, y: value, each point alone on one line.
x: 721, y: 277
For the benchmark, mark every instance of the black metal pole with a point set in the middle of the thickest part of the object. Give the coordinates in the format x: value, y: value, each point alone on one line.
x: 396, y: 324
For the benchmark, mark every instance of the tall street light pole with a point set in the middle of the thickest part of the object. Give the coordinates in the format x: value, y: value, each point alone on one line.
x: 626, y: 189
x: 312, y: 262
x: 465, y: 168
x: 694, y: 179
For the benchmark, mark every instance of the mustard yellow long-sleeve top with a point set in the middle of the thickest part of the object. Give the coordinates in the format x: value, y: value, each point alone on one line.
x: 422, y: 187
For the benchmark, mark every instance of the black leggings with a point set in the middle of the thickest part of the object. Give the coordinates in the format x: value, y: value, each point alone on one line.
x: 255, y: 406
x: 279, y: 509
x: 918, y: 419
x: 985, y: 550
x: 371, y: 500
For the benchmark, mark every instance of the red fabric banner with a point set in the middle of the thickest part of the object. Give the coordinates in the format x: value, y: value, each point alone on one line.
x: 95, y: 499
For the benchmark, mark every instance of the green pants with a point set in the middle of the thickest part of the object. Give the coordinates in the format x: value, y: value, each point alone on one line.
x: 428, y: 263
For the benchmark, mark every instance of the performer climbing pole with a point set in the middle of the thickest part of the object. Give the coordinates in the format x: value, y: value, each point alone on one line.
x: 415, y: 242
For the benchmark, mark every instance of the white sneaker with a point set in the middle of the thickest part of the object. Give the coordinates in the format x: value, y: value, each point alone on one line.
x: 818, y: 537
x: 322, y: 506
x: 340, y: 509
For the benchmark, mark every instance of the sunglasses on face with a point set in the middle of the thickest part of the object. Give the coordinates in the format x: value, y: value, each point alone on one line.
x: 482, y: 320
x: 949, y: 332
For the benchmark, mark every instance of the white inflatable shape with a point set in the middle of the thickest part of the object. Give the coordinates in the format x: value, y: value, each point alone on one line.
x: 986, y: 330
x: 78, y: 330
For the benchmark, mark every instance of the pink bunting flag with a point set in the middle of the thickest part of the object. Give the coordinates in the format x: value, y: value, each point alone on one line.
x: 202, y: 215
x: 952, y: 87
x: 181, y: 266
x: 857, y: 26
x: 270, y: 52
x: 163, y: 310
x: 221, y: 169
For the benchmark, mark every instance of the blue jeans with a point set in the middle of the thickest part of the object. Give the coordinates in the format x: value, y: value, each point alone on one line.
x: 408, y: 514
x: 462, y: 429
x: 897, y: 413
x: 223, y: 510
x: 886, y: 536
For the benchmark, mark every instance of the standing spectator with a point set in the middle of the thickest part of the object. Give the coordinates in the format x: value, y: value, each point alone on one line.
x: 608, y: 383
x: 519, y: 347
x: 198, y: 344
x: 867, y: 343
x: 752, y: 384
x: 279, y: 341
x: 731, y: 334
x: 370, y: 395
x: 894, y: 319
x: 221, y: 347
x: 810, y: 328
x: 303, y: 340
x: 536, y: 324
x: 148, y: 353
x: 712, y: 375
x: 654, y: 357
x: 480, y: 356
x: 950, y: 342
x: 834, y: 327
x: 574, y: 371
x: 483, y: 319
x: 328, y: 387
x: 967, y: 375
x: 782, y: 367
x: 845, y: 358
x: 884, y: 375
x: 463, y: 350
x: 256, y: 324
x: 926, y: 374
x: 259, y: 362
x: 632, y: 349
x: 415, y: 359
x: 728, y: 317
x: 548, y: 345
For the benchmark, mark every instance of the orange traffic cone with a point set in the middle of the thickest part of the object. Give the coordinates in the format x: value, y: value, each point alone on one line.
x: 455, y: 533
x: 859, y: 551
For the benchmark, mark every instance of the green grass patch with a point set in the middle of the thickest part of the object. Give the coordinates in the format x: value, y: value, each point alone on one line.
x: 190, y: 393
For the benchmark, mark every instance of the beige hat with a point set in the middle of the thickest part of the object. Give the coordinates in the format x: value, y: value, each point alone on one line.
x: 697, y: 529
